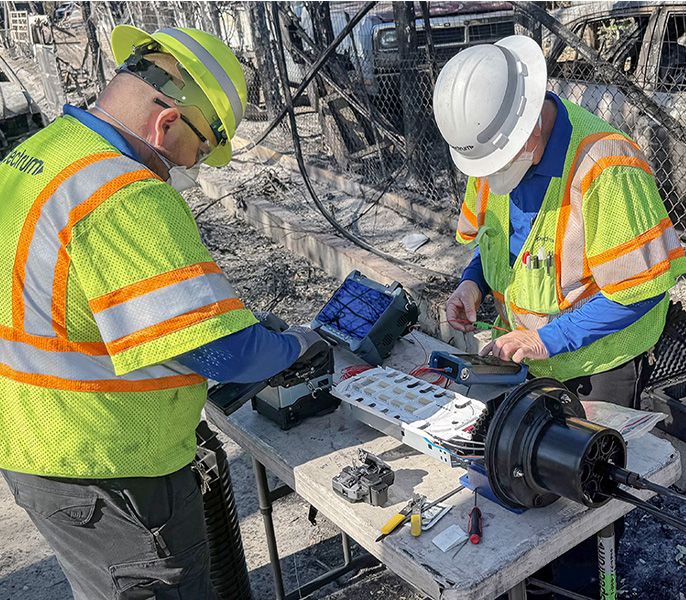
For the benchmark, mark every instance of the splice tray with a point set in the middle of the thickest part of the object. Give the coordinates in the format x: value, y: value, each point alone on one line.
x: 429, y: 418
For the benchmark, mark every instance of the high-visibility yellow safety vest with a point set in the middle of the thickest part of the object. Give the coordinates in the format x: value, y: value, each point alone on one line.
x: 103, y: 281
x: 607, y: 228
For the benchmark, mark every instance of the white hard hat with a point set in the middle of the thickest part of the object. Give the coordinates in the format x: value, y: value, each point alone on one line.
x: 487, y: 101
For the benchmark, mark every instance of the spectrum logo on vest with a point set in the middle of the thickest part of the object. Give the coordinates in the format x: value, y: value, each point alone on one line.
x: 24, y: 162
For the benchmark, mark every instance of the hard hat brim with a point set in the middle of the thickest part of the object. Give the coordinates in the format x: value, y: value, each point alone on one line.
x: 529, y: 53
x: 125, y: 39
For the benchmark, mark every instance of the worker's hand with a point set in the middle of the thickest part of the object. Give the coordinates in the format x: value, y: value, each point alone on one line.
x: 270, y: 321
x: 517, y: 346
x: 314, y: 355
x: 462, y: 306
x: 311, y: 343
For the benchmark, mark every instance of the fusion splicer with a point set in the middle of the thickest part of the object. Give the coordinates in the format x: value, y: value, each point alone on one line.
x: 298, y: 393
x: 301, y: 391
x: 473, y: 369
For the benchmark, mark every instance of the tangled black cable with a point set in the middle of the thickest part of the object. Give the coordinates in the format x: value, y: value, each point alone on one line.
x: 290, y: 111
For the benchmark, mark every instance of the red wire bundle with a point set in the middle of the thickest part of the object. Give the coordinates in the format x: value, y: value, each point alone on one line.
x: 353, y: 370
x: 422, y: 370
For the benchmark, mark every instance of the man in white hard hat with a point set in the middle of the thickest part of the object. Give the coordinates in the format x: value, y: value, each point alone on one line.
x: 572, y: 238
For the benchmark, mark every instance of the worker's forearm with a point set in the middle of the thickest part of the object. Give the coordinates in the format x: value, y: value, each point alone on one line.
x: 594, y: 320
x: 474, y: 272
x: 250, y: 355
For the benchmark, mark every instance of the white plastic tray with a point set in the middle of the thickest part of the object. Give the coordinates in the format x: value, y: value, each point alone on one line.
x: 431, y: 419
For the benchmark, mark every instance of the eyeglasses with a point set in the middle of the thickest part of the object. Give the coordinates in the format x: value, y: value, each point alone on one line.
x: 205, y: 149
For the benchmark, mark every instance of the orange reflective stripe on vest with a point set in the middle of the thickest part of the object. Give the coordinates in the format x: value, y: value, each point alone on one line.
x: 36, y: 350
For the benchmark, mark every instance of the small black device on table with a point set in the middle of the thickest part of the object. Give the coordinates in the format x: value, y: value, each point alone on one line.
x: 367, y: 482
x: 301, y: 391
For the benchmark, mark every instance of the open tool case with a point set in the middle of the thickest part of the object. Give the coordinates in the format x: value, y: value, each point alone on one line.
x: 431, y: 419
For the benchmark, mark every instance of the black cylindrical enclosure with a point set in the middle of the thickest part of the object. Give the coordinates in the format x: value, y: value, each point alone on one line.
x: 566, y: 457
x: 540, y: 447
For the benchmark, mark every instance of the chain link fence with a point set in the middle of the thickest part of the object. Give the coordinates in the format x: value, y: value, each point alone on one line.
x: 368, y: 113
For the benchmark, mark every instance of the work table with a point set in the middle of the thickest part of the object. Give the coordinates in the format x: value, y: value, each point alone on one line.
x: 513, y: 546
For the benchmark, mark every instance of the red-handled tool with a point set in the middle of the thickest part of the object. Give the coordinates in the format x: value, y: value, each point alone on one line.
x: 476, y: 523
x: 475, y: 529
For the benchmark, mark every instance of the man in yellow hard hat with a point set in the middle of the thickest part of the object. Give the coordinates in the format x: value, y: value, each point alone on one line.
x: 113, y: 315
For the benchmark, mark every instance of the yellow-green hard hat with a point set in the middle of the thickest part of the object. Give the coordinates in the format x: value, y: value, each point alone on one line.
x: 209, y: 62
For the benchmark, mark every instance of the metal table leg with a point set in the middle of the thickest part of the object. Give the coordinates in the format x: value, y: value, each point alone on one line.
x: 266, y: 510
x: 346, y: 548
x: 349, y: 563
x: 518, y: 592
x: 607, y: 563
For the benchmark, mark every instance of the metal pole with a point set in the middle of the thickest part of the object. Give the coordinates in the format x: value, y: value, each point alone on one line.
x: 346, y: 548
x: 607, y: 563
x: 518, y: 592
x: 266, y: 510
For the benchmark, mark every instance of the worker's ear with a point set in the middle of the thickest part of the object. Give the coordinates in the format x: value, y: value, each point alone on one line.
x: 537, y: 133
x: 163, y: 122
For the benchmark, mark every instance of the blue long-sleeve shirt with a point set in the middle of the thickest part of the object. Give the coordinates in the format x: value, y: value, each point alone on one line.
x: 598, y: 317
x: 251, y: 355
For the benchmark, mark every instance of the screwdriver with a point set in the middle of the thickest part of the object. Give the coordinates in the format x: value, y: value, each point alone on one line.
x: 475, y: 527
x: 476, y: 523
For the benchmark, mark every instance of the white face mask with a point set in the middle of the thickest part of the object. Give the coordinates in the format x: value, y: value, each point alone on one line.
x: 507, y: 179
x: 183, y: 178
x: 180, y: 178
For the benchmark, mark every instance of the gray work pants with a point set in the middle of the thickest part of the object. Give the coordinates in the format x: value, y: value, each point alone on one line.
x: 122, y: 539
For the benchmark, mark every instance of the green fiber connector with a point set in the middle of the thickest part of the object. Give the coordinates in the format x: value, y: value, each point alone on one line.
x: 481, y: 325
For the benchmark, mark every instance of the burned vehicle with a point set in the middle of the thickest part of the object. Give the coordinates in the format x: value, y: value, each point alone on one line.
x: 647, y: 43
x: 20, y: 116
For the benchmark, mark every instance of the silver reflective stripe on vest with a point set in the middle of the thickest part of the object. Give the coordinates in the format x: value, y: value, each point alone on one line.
x: 75, y: 366
x: 641, y: 259
x: 45, y: 244
x: 573, y: 280
x: 211, y: 64
x: 160, y: 305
